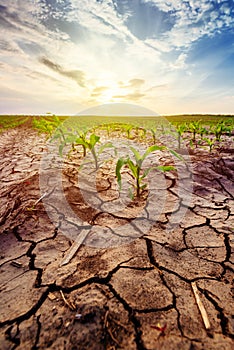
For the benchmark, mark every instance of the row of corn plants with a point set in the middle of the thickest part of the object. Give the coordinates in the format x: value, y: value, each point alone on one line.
x: 199, y: 134
x: 88, y: 139
x: 11, y: 122
x: 91, y: 142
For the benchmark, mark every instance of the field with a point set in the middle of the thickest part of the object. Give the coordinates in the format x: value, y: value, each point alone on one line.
x: 117, y: 232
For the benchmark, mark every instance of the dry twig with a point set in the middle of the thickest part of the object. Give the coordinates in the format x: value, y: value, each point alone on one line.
x: 46, y: 194
x: 106, y: 323
x: 74, y: 248
x: 201, y: 306
x: 70, y: 305
x: 43, y: 196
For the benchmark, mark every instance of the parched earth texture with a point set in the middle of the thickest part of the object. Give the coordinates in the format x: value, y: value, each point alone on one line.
x: 136, y: 295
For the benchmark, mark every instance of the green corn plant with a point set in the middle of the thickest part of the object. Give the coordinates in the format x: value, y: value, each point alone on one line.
x: 230, y: 126
x: 141, y: 132
x: 88, y: 143
x: 181, y: 128
x: 220, y: 129
x: 127, y: 128
x: 71, y: 136
x: 194, y: 127
x: 111, y: 127
x: 84, y: 141
x: 210, y: 143
x: 202, y: 131
x: 46, y: 126
x: 108, y: 129
x: 153, y: 133
x: 163, y: 131
x: 61, y: 134
x: 136, y: 167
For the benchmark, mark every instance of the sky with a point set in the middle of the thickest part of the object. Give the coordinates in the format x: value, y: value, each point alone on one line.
x: 62, y: 57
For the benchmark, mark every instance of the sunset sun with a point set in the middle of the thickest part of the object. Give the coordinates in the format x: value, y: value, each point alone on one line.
x: 112, y: 94
x: 108, y: 91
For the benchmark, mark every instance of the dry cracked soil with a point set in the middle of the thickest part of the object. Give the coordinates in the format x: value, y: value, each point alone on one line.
x: 121, y: 294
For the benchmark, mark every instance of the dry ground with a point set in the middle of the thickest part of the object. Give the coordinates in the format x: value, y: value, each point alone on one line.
x: 115, y: 297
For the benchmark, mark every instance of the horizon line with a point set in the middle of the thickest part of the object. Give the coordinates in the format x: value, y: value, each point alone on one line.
x: 120, y: 115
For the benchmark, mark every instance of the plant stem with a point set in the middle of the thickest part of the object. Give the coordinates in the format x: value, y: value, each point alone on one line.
x: 138, y: 182
x: 84, y: 150
x: 179, y: 140
x: 95, y: 158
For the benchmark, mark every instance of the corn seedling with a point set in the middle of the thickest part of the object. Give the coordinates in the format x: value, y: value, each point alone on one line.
x: 141, y: 132
x: 127, y: 128
x: 153, y: 132
x: 88, y: 143
x: 194, y: 127
x: 202, y: 131
x: 210, y: 143
x: 220, y: 129
x: 82, y: 140
x: 46, y: 126
x: 156, y: 132
x: 136, y: 167
x: 180, y: 130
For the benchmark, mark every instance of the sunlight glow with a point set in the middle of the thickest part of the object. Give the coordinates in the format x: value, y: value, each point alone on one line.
x: 111, y: 92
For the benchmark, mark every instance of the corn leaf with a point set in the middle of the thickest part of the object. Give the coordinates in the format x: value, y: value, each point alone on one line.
x: 132, y: 167
x: 61, y: 147
x: 80, y: 141
x: 120, y: 163
x: 152, y: 149
x: 146, y: 172
x: 93, y: 140
x: 176, y: 155
x: 136, y: 153
x: 143, y: 186
x: 164, y: 168
x: 71, y: 138
x: 104, y: 146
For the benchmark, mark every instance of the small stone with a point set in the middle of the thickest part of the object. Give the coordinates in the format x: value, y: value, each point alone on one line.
x: 51, y: 296
x: 16, y: 264
x: 78, y: 316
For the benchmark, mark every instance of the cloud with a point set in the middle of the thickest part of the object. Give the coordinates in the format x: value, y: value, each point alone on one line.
x: 194, y: 19
x: 7, y: 46
x: 136, y: 83
x: 135, y: 96
x: 5, y: 19
x: 158, y: 87
x: 42, y: 78
x: 98, y: 91
x: 19, y: 15
x: 180, y: 62
x: 102, y: 16
x: 132, y: 83
x: 77, y: 75
x: 21, y: 20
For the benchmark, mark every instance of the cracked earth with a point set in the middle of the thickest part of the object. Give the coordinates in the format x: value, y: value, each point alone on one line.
x: 117, y: 296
